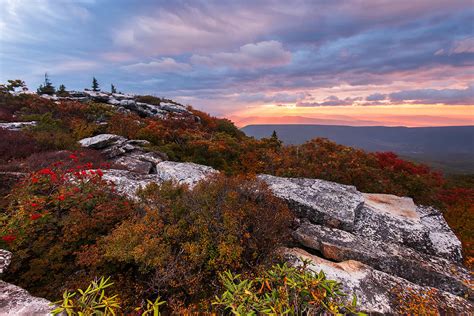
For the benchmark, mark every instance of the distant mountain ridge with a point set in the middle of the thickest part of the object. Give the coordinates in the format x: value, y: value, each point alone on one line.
x: 450, y: 148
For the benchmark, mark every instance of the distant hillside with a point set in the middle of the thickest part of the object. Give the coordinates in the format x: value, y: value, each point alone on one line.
x: 448, y: 148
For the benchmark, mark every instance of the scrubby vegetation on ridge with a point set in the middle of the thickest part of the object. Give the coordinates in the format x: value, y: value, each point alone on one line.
x: 175, y: 242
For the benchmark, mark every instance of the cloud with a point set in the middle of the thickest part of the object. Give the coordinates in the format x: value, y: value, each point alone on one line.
x: 433, y: 96
x: 331, y: 101
x: 262, y: 54
x: 459, y: 47
x: 166, y: 64
x: 191, y: 27
x: 376, y: 97
x: 272, y: 98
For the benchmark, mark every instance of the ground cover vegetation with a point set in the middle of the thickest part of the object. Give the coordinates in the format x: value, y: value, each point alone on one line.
x: 67, y: 226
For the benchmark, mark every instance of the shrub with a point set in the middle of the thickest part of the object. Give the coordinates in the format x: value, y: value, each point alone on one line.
x: 95, y: 301
x: 186, y: 237
x: 15, y: 145
x: 149, y: 99
x: 283, y: 290
x: 411, y: 301
x: 125, y: 125
x: 53, y: 215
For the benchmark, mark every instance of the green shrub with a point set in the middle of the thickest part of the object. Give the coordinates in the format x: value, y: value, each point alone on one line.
x: 283, y: 290
x: 95, y: 301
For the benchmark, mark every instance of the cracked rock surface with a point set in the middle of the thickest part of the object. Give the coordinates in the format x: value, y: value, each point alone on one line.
x: 375, y: 290
x: 387, y: 235
x: 17, y: 301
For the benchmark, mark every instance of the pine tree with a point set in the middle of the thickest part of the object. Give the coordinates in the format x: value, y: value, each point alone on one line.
x: 47, y: 88
x: 95, y: 85
x: 275, y: 140
x: 112, y: 89
x: 274, y: 135
x: 62, y: 91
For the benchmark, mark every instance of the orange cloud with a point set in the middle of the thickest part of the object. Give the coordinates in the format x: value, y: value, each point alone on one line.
x: 393, y: 115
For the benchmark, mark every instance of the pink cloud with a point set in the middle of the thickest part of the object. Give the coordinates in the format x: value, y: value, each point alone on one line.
x: 161, y: 65
x: 262, y: 54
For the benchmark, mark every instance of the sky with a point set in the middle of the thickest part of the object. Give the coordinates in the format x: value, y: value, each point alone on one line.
x: 351, y: 62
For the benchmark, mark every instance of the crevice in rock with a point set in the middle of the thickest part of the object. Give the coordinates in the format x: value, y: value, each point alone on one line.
x: 316, y: 253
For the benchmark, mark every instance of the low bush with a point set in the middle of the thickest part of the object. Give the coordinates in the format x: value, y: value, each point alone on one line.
x: 284, y: 290
x: 95, y: 300
x: 185, y: 238
x: 16, y: 145
x: 53, y: 215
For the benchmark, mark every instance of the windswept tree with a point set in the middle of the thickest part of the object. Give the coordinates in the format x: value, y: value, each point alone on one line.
x: 62, y: 92
x: 47, y: 87
x: 113, y: 89
x: 95, y: 85
x: 13, y: 85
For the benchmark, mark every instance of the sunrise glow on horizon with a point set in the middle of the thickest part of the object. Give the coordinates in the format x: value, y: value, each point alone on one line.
x: 408, y: 63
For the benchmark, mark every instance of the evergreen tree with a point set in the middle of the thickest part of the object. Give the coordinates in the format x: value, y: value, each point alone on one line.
x: 274, y: 135
x: 275, y: 140
x: 112, y: 89
x: 47, y: 87
x: 95, y: 85
x: 62, y: 91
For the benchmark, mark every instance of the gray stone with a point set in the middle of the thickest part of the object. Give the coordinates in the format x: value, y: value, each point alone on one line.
x: 398, y: 220
x: 101, y: 141
x: 5, y: 259
x: 375, y: 290
x: 322, y: 202
x: 16, y: 301
x: 17, y: 126
x: 127, y: 182
x: 171, y: 107
x: 183, y: 172
x: 139, y: 142
x: 135, y: 164
x: 395, y: 259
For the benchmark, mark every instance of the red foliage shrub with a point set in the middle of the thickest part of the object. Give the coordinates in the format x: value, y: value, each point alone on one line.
x: 53, y: 214
x: 16, y: 144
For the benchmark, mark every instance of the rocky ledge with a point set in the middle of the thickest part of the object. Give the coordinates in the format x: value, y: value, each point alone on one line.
x: 126, y: 103
x: 17, y: 301
x: 377, y: 245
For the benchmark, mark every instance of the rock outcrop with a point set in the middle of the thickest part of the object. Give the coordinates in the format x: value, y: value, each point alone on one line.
x: 128, y: 182
x: 142, y: 167
x: 17, y: 301
x: 127, y: 103
x: 324, y: 202
x: 16, y: 126
x: 404, y: 262
x: 376, y: 291
x: 129, y: 154
x: 387, y: 234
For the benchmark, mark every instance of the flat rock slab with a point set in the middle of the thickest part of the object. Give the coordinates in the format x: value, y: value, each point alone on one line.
x: 128, y: 182
x: 404, y: 262
x: 16, y: 301
x: 183, y: 172
x: 101, y: 141
x: 17, y: 126
x: 375, y: 290
x: 322, y: 202
x: 398, y: 220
